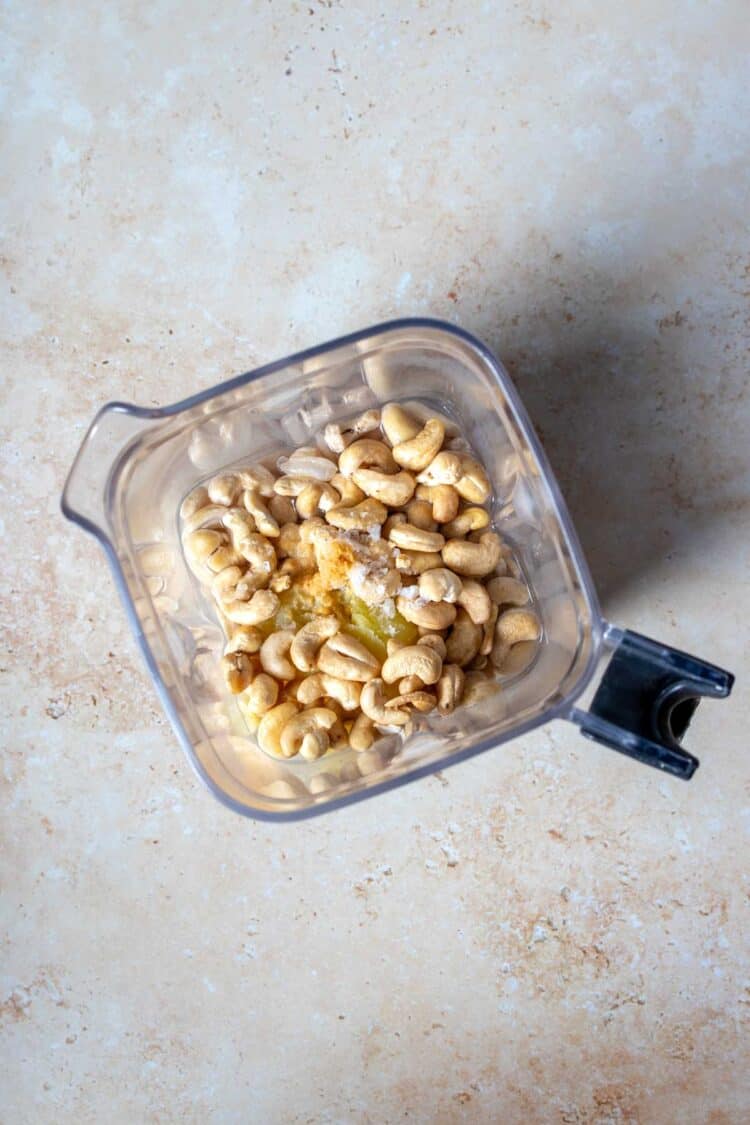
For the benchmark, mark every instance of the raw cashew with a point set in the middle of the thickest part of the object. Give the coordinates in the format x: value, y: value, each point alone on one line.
x: 282, y: 509
x: 414, y: 538
x: 253, y: 547
x: 223, y: 557
x: 200, y: 545
x: 398, y: 425
x: 508, y: 591
x: 471, y: 519
x: 248, y: 639
x: 372, y: 702
x: 450, y: 688
x: 417, y: 562
x: 261, y: 695
x: 257, y: 476
x: 513, y: 626
x: 443, y: 500
x: 348, y: 491
x: 435, y: 642
x: 394, y: 519
x: 306, y: 733
x: 365, y: 453
x: 474, y: 484
x: 224, y: 584
x: 464, y: 640
x: 337, y: 438
x: 290, y: 486
x: 320, y: 685
x: 317, y: 497
x: 238, y: 670
x: 473, y: 559
x: 264, y: 521
x: 413, y: 660
x: 475, y: 600
x: 210, y: 516
x: 419, y: 514
x: 263, y: 605
x: 428, y: 615
x: 394, y: 489
x: 422, y: 701
x: 307, y: 642
x: 373, y: 588
x: 347, y: 658
x: 445, y: 468
x: 409, y: 684
x: 416, y: 453
x: 440, y: 585
x: 272, y: 724
x: 369, y: 513
x: 224, y: 489
x: 193, y: 502
x: 362, y: 734
x: 488, y: 631
x: 274, y: 655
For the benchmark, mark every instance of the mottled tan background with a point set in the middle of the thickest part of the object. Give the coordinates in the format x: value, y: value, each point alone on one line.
x: 549, y: 933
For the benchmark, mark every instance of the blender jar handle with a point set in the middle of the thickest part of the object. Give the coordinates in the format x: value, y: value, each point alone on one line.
x: 84, y: 496
x: 646, y: 699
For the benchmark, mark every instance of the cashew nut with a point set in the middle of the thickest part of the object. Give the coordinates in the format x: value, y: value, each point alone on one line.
x: 306, y: 733
x: 349, y: 492
x: 443, y: 500
x: 435, y: 642
x: 317, y: 497
x: 337, y: 438
x: 440, y: 585
x: 372, y: 701
x: 224, y: 584
x: 428, y: 615
x: 348, y: 659
x: 409, y: 684
x: 463, y: 640
x: 419, y: 514
x: 365, y: 453
x: 474, y: 484
x: 471, y: 519
x: 369, y: 513
x: 419, y: 451
x: 422, y: 701
x: 307, y: 642
x: 193, y: 502
x: 272, y: 724
x: 274, y: 655
x: 320, y: 685
x: 238, y: 670
x: 223, y: 557
x: 261, y: 695
x: 488, y: 631
x: 450, y: 688
x: 210, y: 516
x: 473, y: 559
x: 477, y: 688
x: 257, y: 476
x: 508, y: 591
x: 263, y: 605
x: 248, y: 640
x: 475, y: 600
x: 290, y: 486
x: 282, y: 509
x: 223, y: 489
x: 417, y: 562
x: 394, y: 489
x: 415, y: 538
x: 398, y: 425
x: 413, y: 660
x: 445, y: 468
x: 200, y: 545
x: 362, y: 734
x: 264, y: 521
x: 513, y: 626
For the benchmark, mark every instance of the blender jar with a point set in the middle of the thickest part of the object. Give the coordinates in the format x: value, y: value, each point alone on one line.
x: 135, y: 466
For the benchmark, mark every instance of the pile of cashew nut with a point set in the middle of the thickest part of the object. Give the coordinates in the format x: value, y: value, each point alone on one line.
x: 418, y: 497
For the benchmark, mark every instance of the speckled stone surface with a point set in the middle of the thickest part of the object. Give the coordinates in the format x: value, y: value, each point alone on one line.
x: 545, y: 934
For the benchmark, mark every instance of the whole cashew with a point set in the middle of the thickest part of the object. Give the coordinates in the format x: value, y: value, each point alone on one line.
x: 317, y: 497
x: 475, y: 600
x: 443, y: 500
x: 348, y: 659
x: 257, y: 476
x: 307, y: 642
x: 428, y: 615
x: 394, y: 489
x: 417, y: 562
x: 274, y: 657
x: 364, y: 453
x: 349, y: 492
x: 473, y: 559
x: 415, y: 538
x: 362, y: 734
x: 238, y: 670
x: 210, y: 516
x: 508, y: 591
x: 224, y: 584
x: 419, y: 514
x: 200, y: 545
x: 450, y: 688
x: 253, y: 547
x: 372, y: 702
x: 193, y: 502
x: 413, y: 660
x: 248, y: 640
x: 224, y: 489
x: 440, y: 585
x: 272, y: 724
x: 306, y: 733
x: 471, y: 519
x: 264, y: 521
x: 488, y: 631
x: 474, y: 484
x: 435, y: 642
x: 422, y: 701
x: 445, y: 468
x: 223, y: 557
x: 464, y: 640
x: 398, y: 425
x: 374, y: 588
x: 409, y: 684
x: 290, y: 486
x: 394, y: 519
x: 282, y: 509
x: 369, y: 513
x: 416, y: 453
x: 320, y: 685
x: 263, y: 605
x: 261, y: 695
x: 513, y: 626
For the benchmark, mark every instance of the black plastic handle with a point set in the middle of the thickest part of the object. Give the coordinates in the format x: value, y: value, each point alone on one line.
x: 646, y: 699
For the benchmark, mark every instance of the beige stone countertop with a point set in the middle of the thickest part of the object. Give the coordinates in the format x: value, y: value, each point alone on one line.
x: 549, y: 932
